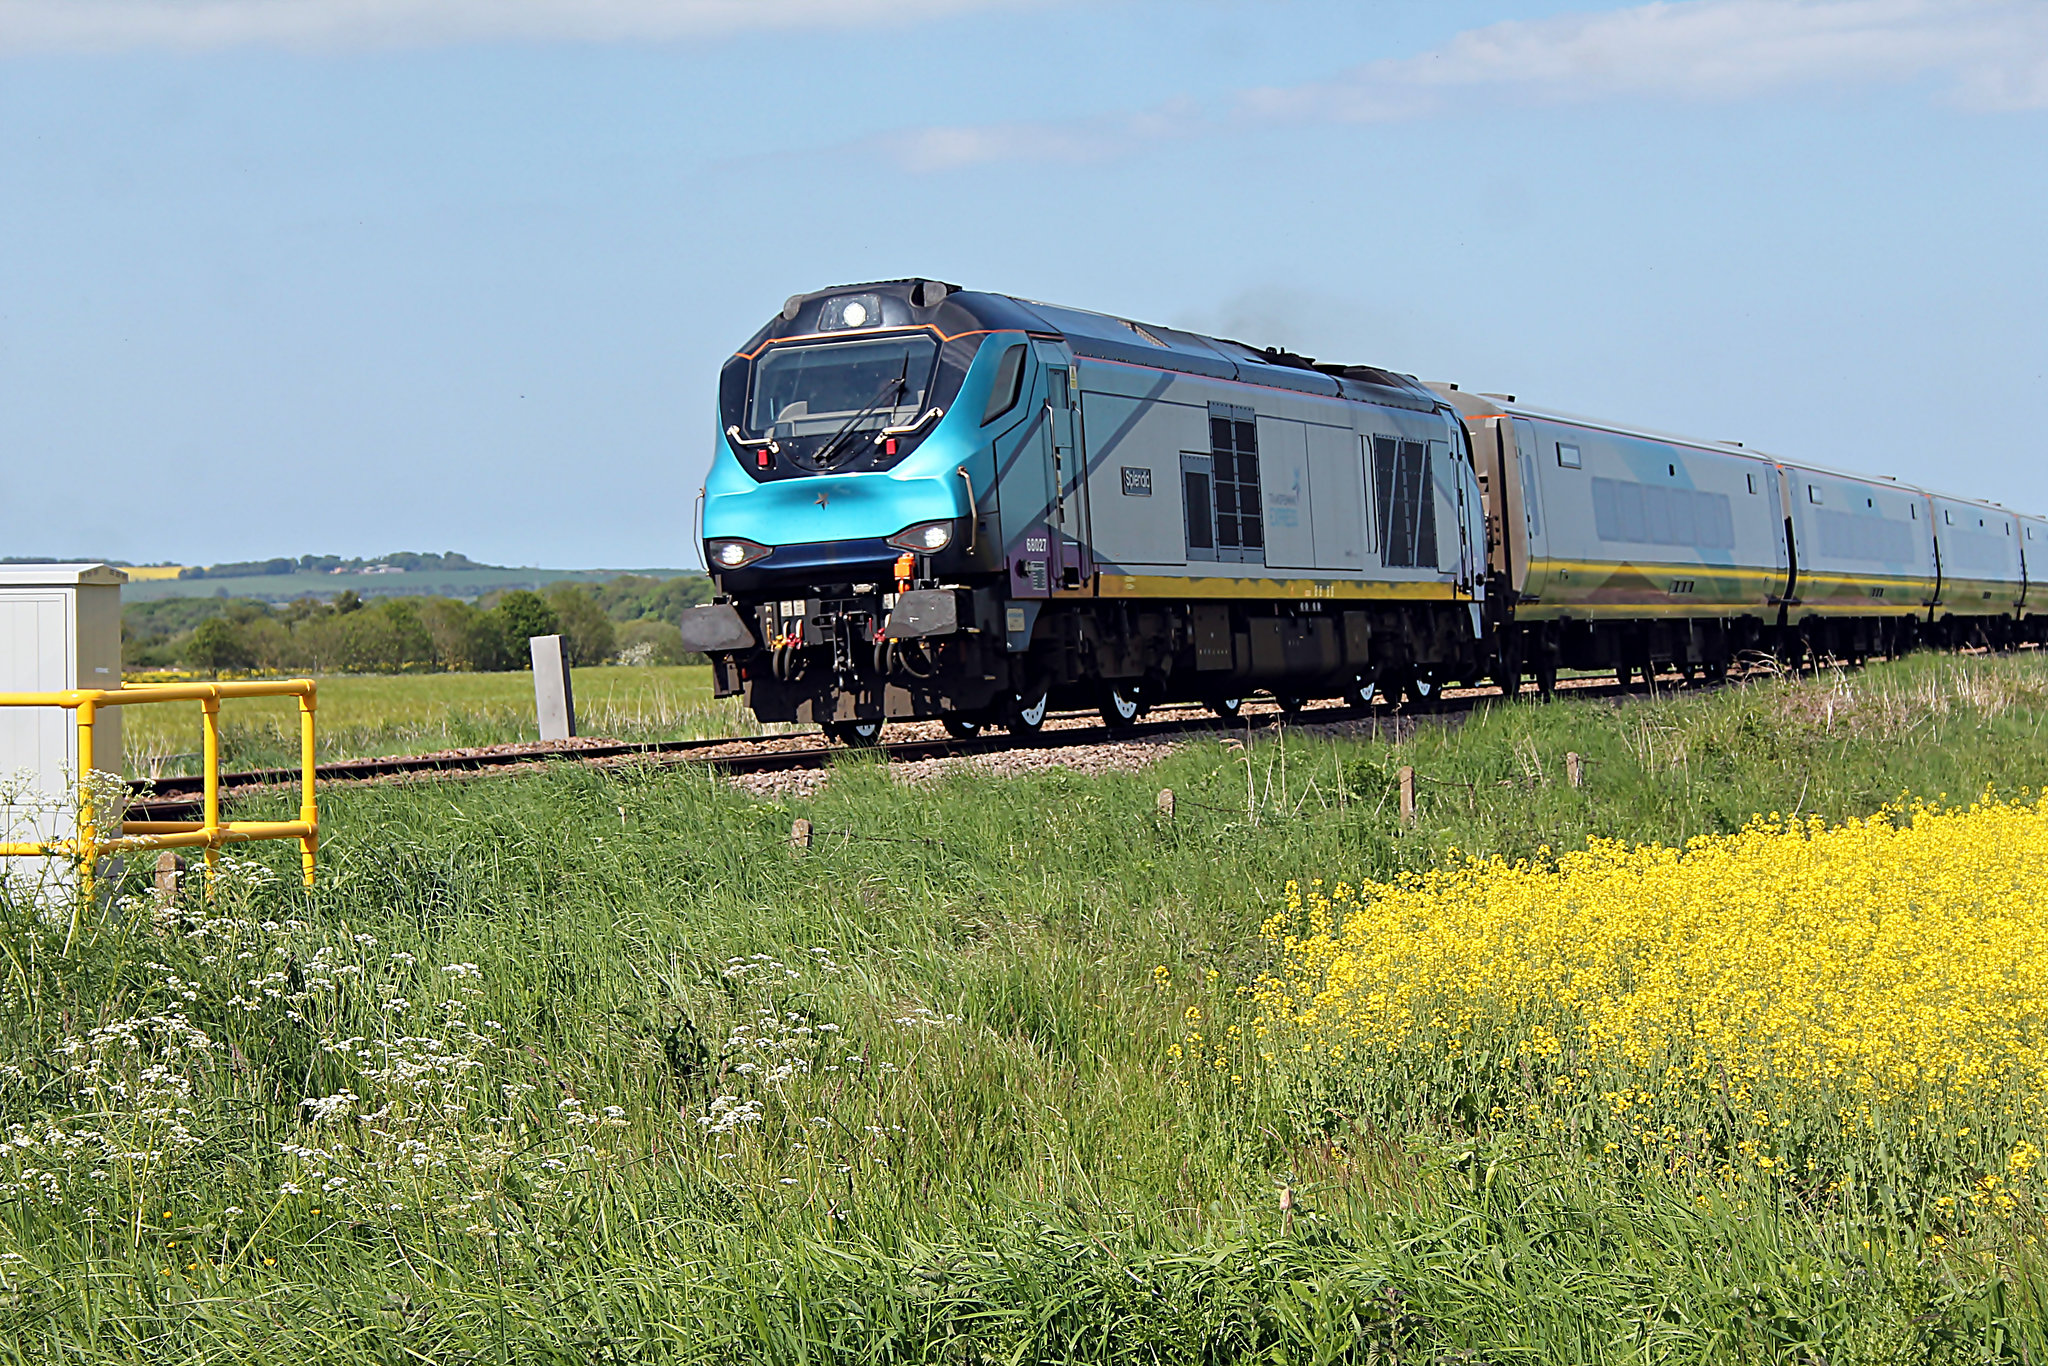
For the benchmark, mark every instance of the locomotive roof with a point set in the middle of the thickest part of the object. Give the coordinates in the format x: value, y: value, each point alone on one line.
x: 1103, y: 336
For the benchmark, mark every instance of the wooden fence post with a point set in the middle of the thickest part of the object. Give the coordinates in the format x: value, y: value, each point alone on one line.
x: 1166, y: 803
x: 1573, y: 773
x: 169, y: 868
x: 1407, y: 778
x: 800, y: 834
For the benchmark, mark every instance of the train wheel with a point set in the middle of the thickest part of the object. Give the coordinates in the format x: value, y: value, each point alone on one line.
x: 961, y: 727
x: 856, y: 734
x: 1546, y: 679
x: 1120, y: 708
x: 1290, y: 704
x: 1027, y: 714
x: 1226, y: 707
x: 1419, y: 693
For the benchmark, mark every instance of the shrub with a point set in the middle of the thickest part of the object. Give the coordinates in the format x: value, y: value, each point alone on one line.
x: 216, y: 644
x: 588, y: 632
x: 521, y: 615
x: 464, y: 636
x: 653, y: 642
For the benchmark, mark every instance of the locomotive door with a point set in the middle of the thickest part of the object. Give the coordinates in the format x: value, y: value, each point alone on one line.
x: 1785, y: 592
x: 1070, y: 569
x: 1471, y: 513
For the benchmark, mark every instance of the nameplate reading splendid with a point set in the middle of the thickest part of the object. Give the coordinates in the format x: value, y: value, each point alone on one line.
x: 1137, y: 482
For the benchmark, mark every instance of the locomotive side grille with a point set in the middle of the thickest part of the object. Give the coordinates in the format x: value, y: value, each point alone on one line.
x: 1406, y: 498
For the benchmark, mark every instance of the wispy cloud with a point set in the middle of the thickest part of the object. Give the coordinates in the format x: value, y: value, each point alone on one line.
x: 1988, y: 55
x: 945, y: 148
x: 112, y: 25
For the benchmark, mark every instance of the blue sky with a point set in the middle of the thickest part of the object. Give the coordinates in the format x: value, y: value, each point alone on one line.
x: 348, y: 276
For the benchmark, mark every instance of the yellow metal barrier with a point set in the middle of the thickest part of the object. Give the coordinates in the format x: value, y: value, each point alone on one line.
x: 210, y: 832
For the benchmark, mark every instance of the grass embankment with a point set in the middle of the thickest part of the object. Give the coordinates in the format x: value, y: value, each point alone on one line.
x: 364, y: 715
x: 600, y: 1070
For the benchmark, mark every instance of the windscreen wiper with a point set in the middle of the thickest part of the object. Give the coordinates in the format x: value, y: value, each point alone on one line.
x: 890, y: 388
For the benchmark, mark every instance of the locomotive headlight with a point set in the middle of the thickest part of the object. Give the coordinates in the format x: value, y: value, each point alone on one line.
x: 850, y: 311
x: 733, y: 553
x: 925, y: 538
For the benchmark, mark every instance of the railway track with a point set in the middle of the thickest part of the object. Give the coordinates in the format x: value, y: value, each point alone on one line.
x: 178, y: 798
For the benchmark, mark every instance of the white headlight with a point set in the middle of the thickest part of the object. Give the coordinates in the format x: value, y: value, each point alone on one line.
x: 736, y: 553
x: 925, y: 538
x: 856, y: 314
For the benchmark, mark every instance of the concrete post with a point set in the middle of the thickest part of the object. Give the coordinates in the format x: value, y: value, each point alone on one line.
x: 553, y: 698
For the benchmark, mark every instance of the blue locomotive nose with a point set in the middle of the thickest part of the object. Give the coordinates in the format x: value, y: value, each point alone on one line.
x: 830, y: 520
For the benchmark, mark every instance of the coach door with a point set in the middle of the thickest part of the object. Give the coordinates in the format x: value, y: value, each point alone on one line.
x: 1070, y: 569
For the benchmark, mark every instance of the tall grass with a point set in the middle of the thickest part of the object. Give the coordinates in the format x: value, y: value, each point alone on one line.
x: 662, y: 1087
x: 366, y: 715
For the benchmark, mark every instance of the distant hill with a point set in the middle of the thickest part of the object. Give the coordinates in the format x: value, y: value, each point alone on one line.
x: 403, y: 573
x: 370, y: 579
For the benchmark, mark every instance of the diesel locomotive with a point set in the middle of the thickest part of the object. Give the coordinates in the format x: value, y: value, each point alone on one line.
x: 929, y: 502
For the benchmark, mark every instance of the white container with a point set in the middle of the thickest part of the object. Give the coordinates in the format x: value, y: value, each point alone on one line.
x: 60, y: 628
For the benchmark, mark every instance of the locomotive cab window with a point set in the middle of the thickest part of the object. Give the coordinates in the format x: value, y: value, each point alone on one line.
x: 1008, y: 386
x: 815, y: 390
x: 1568, y: 456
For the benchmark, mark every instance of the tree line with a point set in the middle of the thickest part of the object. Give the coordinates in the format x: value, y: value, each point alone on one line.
x: 631, y: 619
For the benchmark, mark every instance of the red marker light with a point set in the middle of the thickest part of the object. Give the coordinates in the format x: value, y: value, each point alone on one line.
x: 760, y: 460
x: 889, y: 446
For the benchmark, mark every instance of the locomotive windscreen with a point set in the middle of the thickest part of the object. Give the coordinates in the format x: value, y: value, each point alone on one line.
x: 816, y: 390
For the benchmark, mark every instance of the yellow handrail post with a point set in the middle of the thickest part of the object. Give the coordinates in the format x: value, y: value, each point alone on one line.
x: 84, y: 846
x: 209, y: 720
x: 309, y: 811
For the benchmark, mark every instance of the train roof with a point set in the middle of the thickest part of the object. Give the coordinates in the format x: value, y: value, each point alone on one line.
x: 1476, y: 405
x: 1104, y: 336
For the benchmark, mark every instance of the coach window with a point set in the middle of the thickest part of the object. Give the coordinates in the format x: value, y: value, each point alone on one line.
x: 1813, y: 494
x: 1567, y: 456
x: 1008, y: 386
x: 1751, y: 476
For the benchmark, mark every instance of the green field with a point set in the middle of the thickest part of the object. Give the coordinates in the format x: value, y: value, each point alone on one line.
x: 592, y: 1067
x: 363, y: 715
